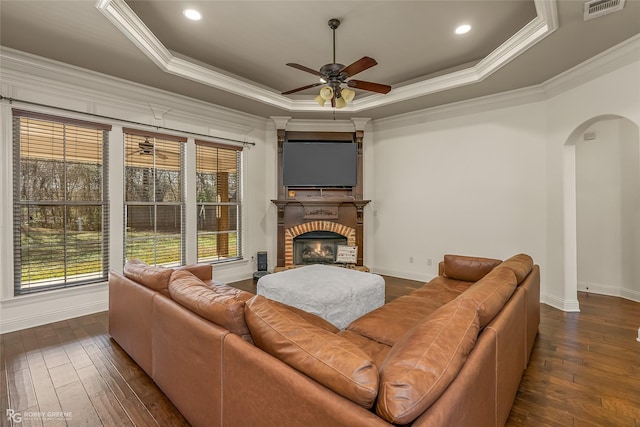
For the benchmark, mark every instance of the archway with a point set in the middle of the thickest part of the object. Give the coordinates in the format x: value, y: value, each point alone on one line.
x: 624, y: 281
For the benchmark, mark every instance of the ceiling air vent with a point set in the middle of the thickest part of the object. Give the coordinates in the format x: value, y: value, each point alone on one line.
x: 596, y: 8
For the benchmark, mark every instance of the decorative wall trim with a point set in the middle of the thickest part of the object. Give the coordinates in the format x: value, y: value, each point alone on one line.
x: 613, y: 291
x: 43, y: 318
x: 420, y: 277
x: 123, y: 18
x: 559, y: 303
x: 612, y: 59
x: 39, y: 309
x: 28, y: 77
x: 630, y: 294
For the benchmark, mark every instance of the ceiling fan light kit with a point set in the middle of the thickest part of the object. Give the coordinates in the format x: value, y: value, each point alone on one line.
x: 334, y: 75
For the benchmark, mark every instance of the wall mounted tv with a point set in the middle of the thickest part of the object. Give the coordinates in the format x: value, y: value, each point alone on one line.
x: 319, y: 164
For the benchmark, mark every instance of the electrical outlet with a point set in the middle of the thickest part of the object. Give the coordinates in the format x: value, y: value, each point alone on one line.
x: 410, y: 260
x: 429, y: 262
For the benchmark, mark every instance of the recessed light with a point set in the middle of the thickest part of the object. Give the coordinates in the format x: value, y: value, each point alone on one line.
x: 463, y: 29
x: 192, y: 14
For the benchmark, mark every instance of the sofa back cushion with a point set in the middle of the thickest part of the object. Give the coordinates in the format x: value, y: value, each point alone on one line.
x: 202, y: 271
x: 521, y: 265
x: 318, y: 353
x: 467, y: 268
x: 422, y: 364
x: 156, y: 278
x: 491, y: 293
x: 222, y: 305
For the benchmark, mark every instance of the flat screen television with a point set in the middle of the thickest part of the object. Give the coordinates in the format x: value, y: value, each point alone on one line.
x: 320, y: 164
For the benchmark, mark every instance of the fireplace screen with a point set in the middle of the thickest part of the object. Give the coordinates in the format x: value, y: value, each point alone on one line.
x: 317, y: 247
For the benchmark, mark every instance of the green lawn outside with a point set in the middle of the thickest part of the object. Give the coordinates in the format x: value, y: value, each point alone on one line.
x: 43, y: 252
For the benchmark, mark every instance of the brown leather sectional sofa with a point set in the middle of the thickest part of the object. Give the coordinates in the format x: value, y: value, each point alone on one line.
x: 451, y: 353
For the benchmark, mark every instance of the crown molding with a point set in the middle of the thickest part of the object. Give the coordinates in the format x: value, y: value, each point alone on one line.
x: 126, y: 21
x: 463, y: 108
x: 618, y: 56
x: 79, y: 88
x: 315, y: 125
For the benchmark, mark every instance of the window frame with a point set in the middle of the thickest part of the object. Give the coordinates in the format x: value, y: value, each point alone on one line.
x: 155, y: 204
x: 20, y: 287
x: 237, y: 203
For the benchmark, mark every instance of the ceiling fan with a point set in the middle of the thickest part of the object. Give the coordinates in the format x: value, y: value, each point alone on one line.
x: 145, y: 148
x: 334, y: 75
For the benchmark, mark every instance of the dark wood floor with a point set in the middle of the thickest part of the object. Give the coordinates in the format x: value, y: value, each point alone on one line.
x: 585, y: 371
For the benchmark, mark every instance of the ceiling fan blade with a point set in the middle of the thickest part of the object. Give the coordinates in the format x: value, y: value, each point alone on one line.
x: 360, y: 65
x: 371, y: 87
x: 301, y: 88
x: 307, y: 69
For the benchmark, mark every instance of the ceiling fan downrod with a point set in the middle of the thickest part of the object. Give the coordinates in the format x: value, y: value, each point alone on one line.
x: 333, y: 24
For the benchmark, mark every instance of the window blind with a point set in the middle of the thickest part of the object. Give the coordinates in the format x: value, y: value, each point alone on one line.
x: 219, y: 202
x: 154, y: 198
x: 60, y: 202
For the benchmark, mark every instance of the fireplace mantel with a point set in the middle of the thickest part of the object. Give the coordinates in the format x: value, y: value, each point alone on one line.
x: 321, y: 201
x: 303, y: 209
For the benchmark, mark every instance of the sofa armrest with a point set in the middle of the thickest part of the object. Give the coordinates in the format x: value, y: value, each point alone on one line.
x: 130, y: 323
x: 468, y: 268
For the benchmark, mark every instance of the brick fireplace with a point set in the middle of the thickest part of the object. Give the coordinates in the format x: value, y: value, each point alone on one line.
x: 338, y: 215
x: 308, y: 227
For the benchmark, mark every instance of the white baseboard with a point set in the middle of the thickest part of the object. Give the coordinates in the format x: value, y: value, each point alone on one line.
x: 28, y: 311
x: 38, y: 319
x: 560, y: 303
x: 420, y: 277
x: 630, y: 294
x: 598, y: 288
x: 609, y: 290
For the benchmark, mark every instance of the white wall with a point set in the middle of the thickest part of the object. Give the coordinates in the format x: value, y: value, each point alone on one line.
x: 33, y: 79
x: 472, y: 185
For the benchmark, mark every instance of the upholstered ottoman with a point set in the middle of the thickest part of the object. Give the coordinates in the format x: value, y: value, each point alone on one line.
x: 338, y: 295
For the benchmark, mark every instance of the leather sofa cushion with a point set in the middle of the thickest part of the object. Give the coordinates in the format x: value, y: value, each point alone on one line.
x: 491, y: 293
x: 469, y: 269
x: 222, y: 305
x: 423, y: 363
x: 443, y: 289
x: 521, y: 265
x: 390, y: 322
x: 374, y: 349
x: 312, y: 318
x: 324, y: 356
x: 203, y: 272
x: 156, y: 278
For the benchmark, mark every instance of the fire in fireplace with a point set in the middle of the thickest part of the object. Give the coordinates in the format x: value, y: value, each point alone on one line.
x: 317, y: 247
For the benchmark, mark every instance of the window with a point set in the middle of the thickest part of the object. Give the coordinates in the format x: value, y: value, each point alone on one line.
x: 154, y: 198
x: 60, y: 202
x: 219, y: 203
